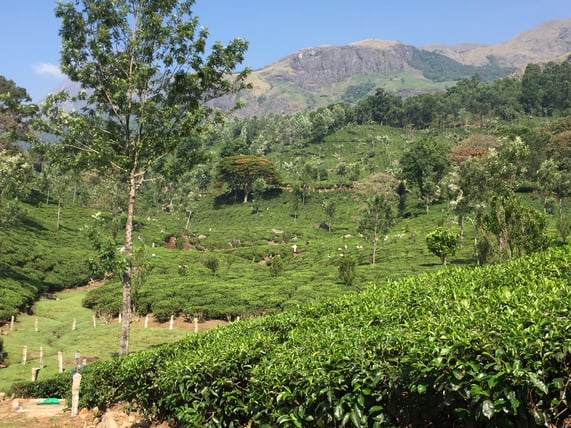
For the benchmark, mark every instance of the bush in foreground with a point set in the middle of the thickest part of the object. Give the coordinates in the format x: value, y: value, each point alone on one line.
x: 479, y: 347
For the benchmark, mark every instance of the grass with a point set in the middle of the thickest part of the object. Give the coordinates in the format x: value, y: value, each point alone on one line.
x: 55, y: 319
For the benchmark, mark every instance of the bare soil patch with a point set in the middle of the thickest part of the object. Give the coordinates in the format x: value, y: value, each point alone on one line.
x: 16, y: 413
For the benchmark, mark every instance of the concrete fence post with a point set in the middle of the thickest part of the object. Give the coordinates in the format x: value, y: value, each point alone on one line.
x: 75, y: 394
x: 35, y: 372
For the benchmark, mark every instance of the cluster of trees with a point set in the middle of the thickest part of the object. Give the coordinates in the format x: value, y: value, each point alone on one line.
x: 485, y: 179
x: 15, y: 168
x: 541, y: 91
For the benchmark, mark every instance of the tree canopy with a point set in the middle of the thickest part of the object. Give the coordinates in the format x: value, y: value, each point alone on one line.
x: 146, y: 74
x: 241, y: 172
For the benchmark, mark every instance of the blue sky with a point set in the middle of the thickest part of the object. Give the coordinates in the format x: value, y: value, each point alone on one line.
x: 29, y: 41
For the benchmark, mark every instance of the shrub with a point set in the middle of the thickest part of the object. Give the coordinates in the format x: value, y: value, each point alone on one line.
x: 346, y: 266
x: 277, y: 266
x: 211, y: 263
x: 57, y: 386
x: 164, y: 309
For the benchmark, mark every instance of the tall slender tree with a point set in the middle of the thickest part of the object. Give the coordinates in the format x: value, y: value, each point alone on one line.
x: 375, y: 221
x: 146, y: 75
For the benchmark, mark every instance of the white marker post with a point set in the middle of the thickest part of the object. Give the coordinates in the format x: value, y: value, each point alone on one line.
x: 75, y: 394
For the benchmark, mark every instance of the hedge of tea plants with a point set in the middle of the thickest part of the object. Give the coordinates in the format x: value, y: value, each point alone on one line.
x: 462, y: 347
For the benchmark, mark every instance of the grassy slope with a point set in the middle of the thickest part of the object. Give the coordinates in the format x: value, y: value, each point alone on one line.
x: 243, y: 286
x: 55, y: 320
x: 406, y: 82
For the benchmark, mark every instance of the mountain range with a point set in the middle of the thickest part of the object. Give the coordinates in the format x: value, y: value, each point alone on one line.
x: 322, y: 75
x: 319, y: 76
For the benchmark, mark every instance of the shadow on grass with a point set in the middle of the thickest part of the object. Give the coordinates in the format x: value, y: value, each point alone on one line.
x: 31, y: 225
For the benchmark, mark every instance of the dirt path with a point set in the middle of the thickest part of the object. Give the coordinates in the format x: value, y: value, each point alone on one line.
x: 20, y: 413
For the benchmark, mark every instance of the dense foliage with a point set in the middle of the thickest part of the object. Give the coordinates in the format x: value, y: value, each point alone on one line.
x: 440, y: 68
x: 481, y: 347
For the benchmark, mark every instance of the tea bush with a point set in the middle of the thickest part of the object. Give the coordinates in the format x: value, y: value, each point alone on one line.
x: 462, y: 347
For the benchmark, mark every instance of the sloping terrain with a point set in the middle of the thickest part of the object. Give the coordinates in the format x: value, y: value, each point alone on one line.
x: 548, y: 41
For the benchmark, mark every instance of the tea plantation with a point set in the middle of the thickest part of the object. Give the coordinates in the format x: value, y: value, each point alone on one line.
x: 486, y: 346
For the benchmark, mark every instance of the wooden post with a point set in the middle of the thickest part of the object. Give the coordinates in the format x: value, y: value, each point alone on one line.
x: 36, y: 325
x: 12, y: 323
x: 35, y: 372
x: 60, y: 362
x: 75, y: 394
x: 94, y: 321
x: 74, y: 325
x: 120, y: 318
x: 195, y: 324
x: 171, y: 322
x: 24, y: 355
x: 41, y: 357
x: 146, y: 321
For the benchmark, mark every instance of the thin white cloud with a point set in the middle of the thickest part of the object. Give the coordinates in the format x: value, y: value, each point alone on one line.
x: 46, y: 69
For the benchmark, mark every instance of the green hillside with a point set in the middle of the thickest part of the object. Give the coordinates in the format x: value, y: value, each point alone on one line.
x: 394, y: 262
x: 461, y: 347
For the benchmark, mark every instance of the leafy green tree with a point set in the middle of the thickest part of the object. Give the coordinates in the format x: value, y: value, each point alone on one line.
x: 401, y: 191
x: 259, y: 187
x: 532, y: 90
x: 382, y: 107
x: 329, y: 209
x: 15, y: 114
x: 321, y: 121
x: 241, y: 172
x: 16, y: 174
x: 442, y: 243
x: 516, y: 228
x: 424, y: 164
x: 555, y: 180
x: 376, y: 219
x: 146, y: 74
x: 421, y: 110
x: 236, y: 146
